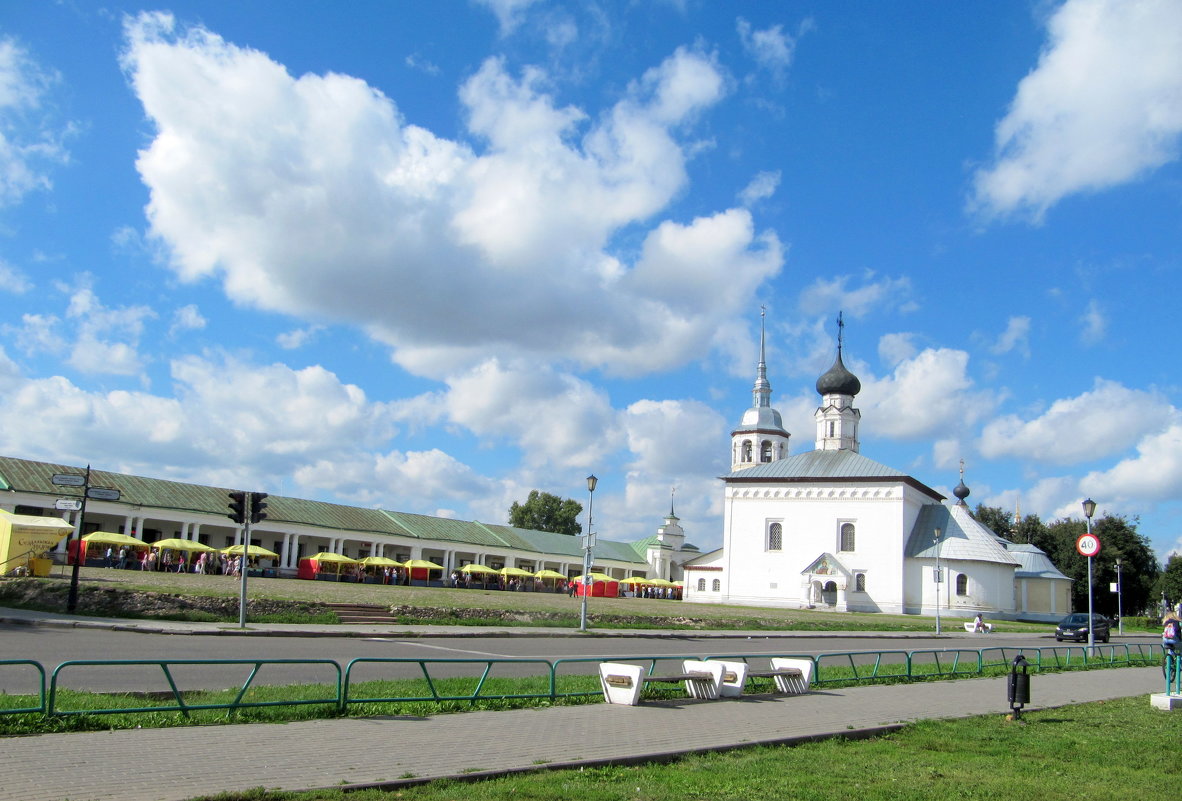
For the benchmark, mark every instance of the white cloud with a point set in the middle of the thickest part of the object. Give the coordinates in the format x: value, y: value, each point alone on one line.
x: 29, y: 142
x: 1101, y: 422
x: 508, y: 12
x: 762, y: 186
x: 1015, y: 337
x: 186, y: 318
x: 672, y: 439
x: 1093, y: 324
x: 11, y: 279
x: 554, y: 418
x: 836, y: 294
x: 894, y: 348
x: 446, y: 254
x: 928, y: 395
x: 1155, y: 473
x: 1103, y: 106
x: 771, y: 48
x: 297, y: 338
x: 107, y: 338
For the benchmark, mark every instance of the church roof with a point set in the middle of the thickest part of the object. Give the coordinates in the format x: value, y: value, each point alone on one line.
x: 1033, y: 561
x: 837, y: 380
x: 962, y: 537
x: 761, y: 418
x: 823, y: 465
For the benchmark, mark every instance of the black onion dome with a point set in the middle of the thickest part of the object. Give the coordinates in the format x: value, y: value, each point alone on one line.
x: 961, y: 491
x: 838, y: 380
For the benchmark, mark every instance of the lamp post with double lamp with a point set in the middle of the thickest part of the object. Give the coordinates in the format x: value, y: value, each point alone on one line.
x: 588, y: 544
x: 939, y: 576
x: 1089, y: 509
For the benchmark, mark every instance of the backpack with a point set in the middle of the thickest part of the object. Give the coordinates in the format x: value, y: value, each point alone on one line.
x: 1171, y: 630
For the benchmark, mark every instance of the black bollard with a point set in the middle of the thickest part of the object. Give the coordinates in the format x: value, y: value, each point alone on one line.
x: 1018, y: 686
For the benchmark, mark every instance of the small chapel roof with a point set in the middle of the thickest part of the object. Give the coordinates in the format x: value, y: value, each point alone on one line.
x: 1033, y: 561
x: 962, y: 537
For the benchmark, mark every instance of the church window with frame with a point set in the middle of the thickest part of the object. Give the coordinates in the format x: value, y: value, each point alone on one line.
x: 716, y: 585
x: 859, y: 582
x: 962, y: 584
x: 846, y: 541
x: 701, y: 585
x: 775, y: 537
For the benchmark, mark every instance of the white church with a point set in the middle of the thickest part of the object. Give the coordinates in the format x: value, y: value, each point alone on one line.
x: 831, y: 529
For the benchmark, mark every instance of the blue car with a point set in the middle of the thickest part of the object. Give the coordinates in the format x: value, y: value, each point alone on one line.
x: 1075, y: 627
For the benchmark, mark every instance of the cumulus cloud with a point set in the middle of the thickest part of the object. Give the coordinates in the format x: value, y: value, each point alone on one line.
x: 1103, y: 421
x: 297, y: 338
x: 927, y: 395
x: 509, y: 13
x: 894, y: 348
x: 675, y: 438
x: 30, y: 142
x: 1103, y: 106
x: 446, y: 253
x: 1155, y: 473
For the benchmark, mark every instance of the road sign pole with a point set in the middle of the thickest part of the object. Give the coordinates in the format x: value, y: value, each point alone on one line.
x: 245, y: 561
x: 76, y: 536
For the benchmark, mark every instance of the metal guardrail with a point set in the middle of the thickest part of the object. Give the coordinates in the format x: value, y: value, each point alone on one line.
x: 40, y: 685
x: 431, y: 682
x: 180, y: 705
x: 829, y: 668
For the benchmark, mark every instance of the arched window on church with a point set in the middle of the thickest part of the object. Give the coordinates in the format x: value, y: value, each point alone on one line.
x: 765, y: 451
x: 860, y: 582
x: 847, y: 536
x: 701, y: 585
x: 775, y: 537
x: 962, y: 584
x: 746, y: 457
x: 716, y: 585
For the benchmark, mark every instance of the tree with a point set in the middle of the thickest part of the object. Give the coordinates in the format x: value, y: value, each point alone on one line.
x: 545, y: 512
x: 994, y: 518
x: 1118, y: 538
x: 1170, y: 582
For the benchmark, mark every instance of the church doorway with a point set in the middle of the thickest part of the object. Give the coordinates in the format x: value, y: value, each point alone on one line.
x: 829, y: 593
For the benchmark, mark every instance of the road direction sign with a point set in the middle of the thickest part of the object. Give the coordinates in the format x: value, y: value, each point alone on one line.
x: 69, y: 480
x: 1088, y: 545
x: 68, y: 504
x: 102, y: 494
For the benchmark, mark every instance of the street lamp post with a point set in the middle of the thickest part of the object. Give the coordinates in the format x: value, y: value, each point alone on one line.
x: 939, y: 576
x: 1120, y: 615
x: 588, y: 544
x: 1089, y: 508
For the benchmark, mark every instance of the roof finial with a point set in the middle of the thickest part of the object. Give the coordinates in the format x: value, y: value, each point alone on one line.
x: 840, y: 333
x: 762, y: 392
x: 672, y: 492
x: 960, y: 490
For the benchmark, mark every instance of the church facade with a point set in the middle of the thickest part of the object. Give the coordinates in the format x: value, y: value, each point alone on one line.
x: 830, y: 528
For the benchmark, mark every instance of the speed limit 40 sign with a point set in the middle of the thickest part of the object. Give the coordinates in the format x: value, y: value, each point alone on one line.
x: 1088, y: 545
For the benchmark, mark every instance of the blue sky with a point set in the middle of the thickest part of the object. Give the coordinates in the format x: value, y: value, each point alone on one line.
x: 430, y: 256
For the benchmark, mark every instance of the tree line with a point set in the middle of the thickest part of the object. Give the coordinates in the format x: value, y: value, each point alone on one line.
x: 1142, y: 578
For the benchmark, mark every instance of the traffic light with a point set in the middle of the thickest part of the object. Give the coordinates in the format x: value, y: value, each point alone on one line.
x: 257, y: 506
x: 237, y: 506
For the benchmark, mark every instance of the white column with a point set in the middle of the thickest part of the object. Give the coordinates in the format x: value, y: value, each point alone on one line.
x: 194, y: 531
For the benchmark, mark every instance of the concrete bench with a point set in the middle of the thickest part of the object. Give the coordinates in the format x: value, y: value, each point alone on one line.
x: 622, y: 683
x: 972, y: 627
x: 792, y: 676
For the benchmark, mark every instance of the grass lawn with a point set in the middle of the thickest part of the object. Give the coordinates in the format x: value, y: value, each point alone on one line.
x: 523, y: 604
x: 1108, y: 750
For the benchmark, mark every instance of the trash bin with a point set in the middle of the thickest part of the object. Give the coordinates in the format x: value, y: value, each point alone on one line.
x: 1018, y: 686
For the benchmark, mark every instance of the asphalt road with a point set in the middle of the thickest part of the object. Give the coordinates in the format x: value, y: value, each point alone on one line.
x: 52, y: 646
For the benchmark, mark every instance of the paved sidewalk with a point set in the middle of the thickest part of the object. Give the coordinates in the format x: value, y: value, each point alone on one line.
x: 157, y: 764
